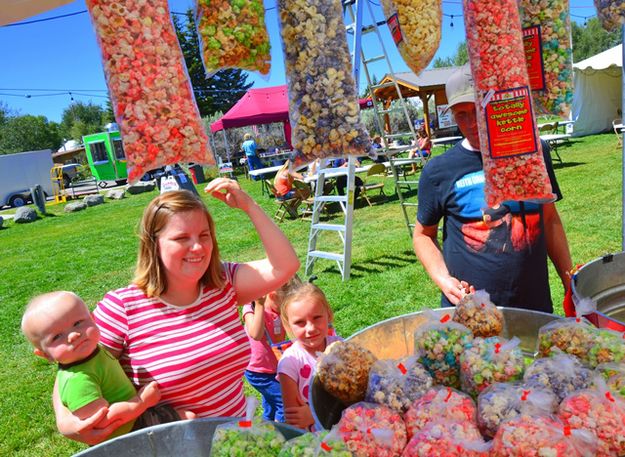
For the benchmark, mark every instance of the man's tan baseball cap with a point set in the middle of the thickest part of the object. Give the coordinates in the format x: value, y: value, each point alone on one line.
x: 460, y: 87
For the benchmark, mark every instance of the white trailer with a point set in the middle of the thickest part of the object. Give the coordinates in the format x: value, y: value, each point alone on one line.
x: 22, y: 171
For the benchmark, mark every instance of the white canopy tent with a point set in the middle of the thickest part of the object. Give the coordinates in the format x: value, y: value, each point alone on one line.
x: 597, y: 98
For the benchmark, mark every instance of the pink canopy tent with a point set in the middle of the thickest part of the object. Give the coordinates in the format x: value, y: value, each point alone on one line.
x: 263, y: 106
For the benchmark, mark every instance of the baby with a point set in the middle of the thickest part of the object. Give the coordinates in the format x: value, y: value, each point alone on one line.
x: 60, y: 328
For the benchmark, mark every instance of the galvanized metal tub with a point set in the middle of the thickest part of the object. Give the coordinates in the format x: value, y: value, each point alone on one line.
x: 183, y: 438
x: 394, y: 338
x: 603, y: 280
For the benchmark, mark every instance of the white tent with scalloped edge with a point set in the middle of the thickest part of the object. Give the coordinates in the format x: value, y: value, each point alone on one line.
x: 598, y: 91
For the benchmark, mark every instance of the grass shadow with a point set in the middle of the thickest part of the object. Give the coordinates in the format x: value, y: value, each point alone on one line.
x: 560, y: 165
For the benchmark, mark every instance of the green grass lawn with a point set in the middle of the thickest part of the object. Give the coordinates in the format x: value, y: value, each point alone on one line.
x: 93, y: 251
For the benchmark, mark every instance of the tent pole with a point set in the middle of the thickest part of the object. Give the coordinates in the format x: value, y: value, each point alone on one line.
x: 226, y: 144
x: 623, y: 155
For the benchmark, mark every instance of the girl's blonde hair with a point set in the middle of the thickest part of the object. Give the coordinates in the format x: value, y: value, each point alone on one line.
x: 303, y: 291
x: 149, y: 274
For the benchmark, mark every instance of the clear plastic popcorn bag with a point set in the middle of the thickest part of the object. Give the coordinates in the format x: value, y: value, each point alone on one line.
x: 232, y: 34
x: 369, y: 429
x: 317, y: 444
x: 549, y: 51
x: 247, y: 437
x: 416, y: 30
x: 448, y: 439
x: 563, y: 374
x: 151, y: 95
x: 479, y: 314
x: 438, y: 344
x: 397, y: 383
x: 323, y: 103
x: 611, y: 13
x: 514, y: 166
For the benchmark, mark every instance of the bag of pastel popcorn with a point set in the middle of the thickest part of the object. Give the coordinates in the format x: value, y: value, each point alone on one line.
x: 599, y: 411
x: 151, y: 94
x: 323, y: 102
x: 416, y: 30
x: 547, y: 28
x: 611, y: 13
x: 448, y: 439
x: 438, y: 344
x: 503, y: 401
x: 397, y: 383
x: 614, y: 376
x: 563, y: 374
x: 232, y: 34
x: 439, y: 403
x: 528, y: 436
x: 369, y: 429
x: 343, y: 370
x: 318, y: 444
x: 247, y: 437
x: 480, y: 315
x: 572, y: 335
x: 513, y: 162
x: 486, y: 361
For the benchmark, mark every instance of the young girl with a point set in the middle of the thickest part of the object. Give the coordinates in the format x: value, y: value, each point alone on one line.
x: 264, y: 329
x: 307, y: 316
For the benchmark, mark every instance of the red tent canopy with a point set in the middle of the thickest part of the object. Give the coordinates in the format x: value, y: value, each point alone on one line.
x: 262, y: 106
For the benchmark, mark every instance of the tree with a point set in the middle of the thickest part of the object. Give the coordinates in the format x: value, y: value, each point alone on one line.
x: 223, y: 89
x: 28, y: 133
x: 81, y: 119
x: 459, y: 58
x: 591, y: 39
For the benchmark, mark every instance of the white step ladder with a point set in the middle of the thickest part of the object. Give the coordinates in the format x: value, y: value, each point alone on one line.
x: 402, y: 185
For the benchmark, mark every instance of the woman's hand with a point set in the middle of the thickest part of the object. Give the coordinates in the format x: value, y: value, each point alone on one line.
x: 229, y: 191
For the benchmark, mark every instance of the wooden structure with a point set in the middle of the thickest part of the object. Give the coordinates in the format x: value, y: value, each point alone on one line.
x: 428, y: 84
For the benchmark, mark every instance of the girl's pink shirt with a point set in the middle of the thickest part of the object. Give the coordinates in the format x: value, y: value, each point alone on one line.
x: 263, y: 359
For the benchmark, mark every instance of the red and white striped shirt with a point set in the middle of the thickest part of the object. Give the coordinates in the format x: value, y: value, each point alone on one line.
x: 196, y: 353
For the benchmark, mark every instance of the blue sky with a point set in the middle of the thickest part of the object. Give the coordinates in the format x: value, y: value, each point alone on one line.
x: 48, y: 60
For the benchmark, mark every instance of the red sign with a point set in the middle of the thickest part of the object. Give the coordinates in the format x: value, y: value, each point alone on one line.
x: 534, y: 57
x: 393, y: 25
x: 510, y: 123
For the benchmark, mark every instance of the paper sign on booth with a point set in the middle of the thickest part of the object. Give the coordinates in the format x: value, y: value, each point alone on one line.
x: 532, y: 42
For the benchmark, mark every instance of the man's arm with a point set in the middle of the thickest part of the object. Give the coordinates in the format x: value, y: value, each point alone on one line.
x: 557, y: 244
x: 425, y: 244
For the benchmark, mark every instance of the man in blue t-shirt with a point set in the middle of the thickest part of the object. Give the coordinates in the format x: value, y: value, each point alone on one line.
x: 502, y: 250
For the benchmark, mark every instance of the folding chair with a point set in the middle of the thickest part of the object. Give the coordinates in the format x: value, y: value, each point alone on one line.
x: 551, y: 129
x: 285, y: 206
x: 378, y: 170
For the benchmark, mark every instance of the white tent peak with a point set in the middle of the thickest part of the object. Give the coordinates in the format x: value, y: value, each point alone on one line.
x: 612, y: 57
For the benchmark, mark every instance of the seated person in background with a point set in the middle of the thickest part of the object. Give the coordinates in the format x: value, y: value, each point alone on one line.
x: 376, y: 144
x: 60, y: 327
x: 424, y: 147
x: 283, y: 182
x: 341, y: 181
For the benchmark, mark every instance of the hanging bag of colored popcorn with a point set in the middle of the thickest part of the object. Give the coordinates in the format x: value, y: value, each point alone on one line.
x: 600, y: 412
x: 480, y: 315
x: 448, y: 439
x: 485, y: 361
x: 150, y: 90
x: 416, y: 30
x: 397, y: 383
x: 323, y: 103
x: 439, y: 404
x: 549, y: 53
x: 438, y: 343
x: 504, y: 401
x: 247, y: 437
x: 369, y: 429
x: 317, y: 444
x: 611, y: 13
x: 541, y: 435
x: 232, y: 34
x: 514, y: 166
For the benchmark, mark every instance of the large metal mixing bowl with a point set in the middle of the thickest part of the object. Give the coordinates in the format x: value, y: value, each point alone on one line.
x: 183, y: 438
x: 603, y: 280
x: 394, y: 338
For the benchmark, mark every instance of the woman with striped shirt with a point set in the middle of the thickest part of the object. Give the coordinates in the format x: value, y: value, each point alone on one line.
x: 178, y: 322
